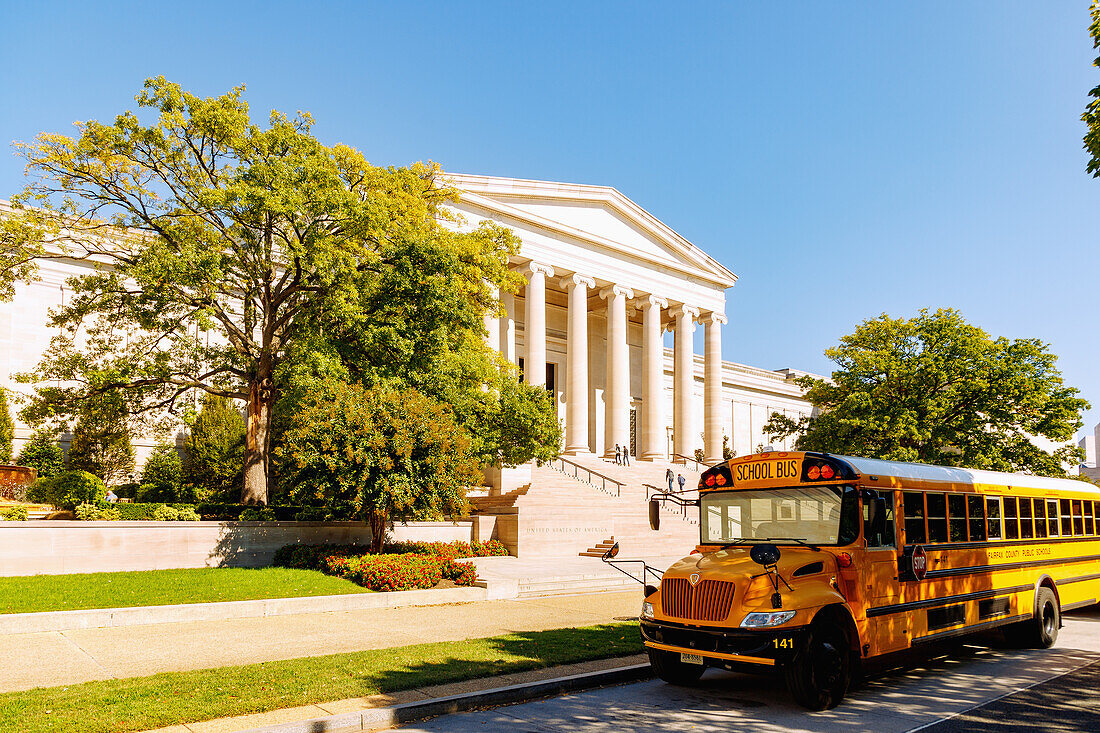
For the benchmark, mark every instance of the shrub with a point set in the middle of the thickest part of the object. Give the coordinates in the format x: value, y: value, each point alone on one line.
x: 165, y: 513
x: 258, y: 514
x: 43, y: 454
x: 69, y: 490
x: 15, y: 514
x: 132, y: 512
x: 462, y: 573
x: 86, y: 512
x: 448, y: 549
x: 160, y: 478
x: 215, y: 451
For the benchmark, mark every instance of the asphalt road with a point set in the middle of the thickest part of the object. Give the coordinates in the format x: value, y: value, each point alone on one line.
x: 971, y: 689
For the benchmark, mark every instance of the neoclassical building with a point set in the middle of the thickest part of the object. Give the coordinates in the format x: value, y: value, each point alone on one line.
x: 605, y: 281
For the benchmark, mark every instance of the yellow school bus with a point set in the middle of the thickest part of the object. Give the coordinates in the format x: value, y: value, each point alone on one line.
x: 820, y: 564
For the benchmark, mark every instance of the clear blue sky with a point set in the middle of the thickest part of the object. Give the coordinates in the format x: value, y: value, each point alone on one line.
x: 844, y: 159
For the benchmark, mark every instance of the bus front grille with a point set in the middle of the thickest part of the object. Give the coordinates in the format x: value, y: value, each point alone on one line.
x: 710, y: 600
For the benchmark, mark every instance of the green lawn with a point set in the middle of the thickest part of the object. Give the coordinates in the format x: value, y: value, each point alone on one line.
x: 141, y: 703
x: 26, y: 594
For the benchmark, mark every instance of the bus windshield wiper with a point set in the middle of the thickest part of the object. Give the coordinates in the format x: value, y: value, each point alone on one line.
x: 739, y: 541
x: 799, y: 540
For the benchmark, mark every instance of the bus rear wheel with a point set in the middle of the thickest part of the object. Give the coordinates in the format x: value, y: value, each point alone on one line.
x: 821, y: 671
x: 669, y: 668
x: 1041, y: 631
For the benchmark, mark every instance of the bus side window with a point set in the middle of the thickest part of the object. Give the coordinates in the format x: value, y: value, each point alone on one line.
x: 878, y: 520
x: 913, y: 508
x: 1052, y: 516
x: 1025, y: 519
x: 1040, y: 517
x: 937, y: 518
x: 956, y: 519
x: 1067, y: 518
x: 1078, y: 522
x: 1089, y: 528
x: 1012, y: 526
x: 993, y: 512
x: 974, y: 506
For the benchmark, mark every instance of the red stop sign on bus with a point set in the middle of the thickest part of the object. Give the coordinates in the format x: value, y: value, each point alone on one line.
x: 920, y: 562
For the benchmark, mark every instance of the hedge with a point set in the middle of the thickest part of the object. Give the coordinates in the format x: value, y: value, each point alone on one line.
x: 311, y: 557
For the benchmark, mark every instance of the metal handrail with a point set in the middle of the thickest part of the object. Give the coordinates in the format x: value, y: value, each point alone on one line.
x: 652, y: 491
x: 577, y: 468
x: 681, y: 458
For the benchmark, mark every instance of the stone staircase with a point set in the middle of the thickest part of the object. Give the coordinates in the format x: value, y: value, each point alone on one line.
x: 569, y: 513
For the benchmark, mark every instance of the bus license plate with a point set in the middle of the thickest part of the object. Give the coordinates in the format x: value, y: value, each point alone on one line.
x: 691, y: 659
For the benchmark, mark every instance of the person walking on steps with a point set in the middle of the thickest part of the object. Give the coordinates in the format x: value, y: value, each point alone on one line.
x: 618, y: 455
x: 670, y: 477
x: 681, y: 480
x: 626, y: 455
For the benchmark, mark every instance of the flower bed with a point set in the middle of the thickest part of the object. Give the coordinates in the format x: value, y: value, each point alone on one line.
x: 402, y: 566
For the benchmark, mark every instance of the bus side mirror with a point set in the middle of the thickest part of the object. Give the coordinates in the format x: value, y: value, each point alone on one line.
x: 654, y: 514
x: 612, y: 553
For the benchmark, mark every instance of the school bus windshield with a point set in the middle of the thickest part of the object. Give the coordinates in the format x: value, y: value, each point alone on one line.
x: 811, y: 514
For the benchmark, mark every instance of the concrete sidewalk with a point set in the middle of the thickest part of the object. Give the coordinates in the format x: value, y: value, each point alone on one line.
x: 48, y: 659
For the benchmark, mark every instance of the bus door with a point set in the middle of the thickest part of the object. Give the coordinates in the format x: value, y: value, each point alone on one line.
x: 888, y: 632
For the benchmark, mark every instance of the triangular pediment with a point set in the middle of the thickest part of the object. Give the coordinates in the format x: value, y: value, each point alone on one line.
x: 597, y: 214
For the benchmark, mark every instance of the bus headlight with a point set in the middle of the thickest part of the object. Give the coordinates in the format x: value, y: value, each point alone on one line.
x: 761, y: 620
x: 647, y: 610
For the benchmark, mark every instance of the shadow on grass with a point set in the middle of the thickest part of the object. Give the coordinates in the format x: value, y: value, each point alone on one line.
x: 517, y: 652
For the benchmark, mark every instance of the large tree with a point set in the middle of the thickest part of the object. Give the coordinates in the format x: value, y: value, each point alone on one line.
x: 218, y: 243
x: 935, y: 389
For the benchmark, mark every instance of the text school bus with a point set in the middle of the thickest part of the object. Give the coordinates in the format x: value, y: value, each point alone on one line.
x: 819, y: 564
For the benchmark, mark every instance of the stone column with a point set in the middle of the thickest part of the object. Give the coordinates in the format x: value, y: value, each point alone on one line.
x: 683, y: 423
x: 617, y: 394
x: 576, y: 380
x: 492, y: 323
x: 653, y: 371
x: 507, y: 328
x: 534, y: 332
x: 712, y: 388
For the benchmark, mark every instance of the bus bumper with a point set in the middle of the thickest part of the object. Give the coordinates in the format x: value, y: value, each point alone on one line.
x: 768, y: 647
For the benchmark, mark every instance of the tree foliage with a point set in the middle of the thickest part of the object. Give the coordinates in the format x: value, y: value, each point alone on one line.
x: 43, y: 453
x: 1091, y: 116
x: 377, y: 454
x: 101, y: 439
x: 221, y: 242
x: 7, y: 428
x: 213, y: 469
x: 935, y: 389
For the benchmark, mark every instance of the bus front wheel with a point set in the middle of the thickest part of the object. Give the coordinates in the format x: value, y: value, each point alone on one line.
x: 820, y: 672
x: 1041, y: 631
x: 669, y: 668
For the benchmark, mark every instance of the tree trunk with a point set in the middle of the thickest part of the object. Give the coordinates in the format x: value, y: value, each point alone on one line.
x: 260, y: 398
x: 377, y: 521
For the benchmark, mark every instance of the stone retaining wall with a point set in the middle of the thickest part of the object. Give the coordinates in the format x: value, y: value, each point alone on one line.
x: 53, y: 547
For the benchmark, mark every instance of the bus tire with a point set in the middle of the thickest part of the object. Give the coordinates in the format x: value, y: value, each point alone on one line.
x: 821, y: 671
x: 669, y: 668
x: 1041, y: 631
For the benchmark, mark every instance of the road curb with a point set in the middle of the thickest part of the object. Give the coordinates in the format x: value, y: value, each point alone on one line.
x: 375, y: 719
